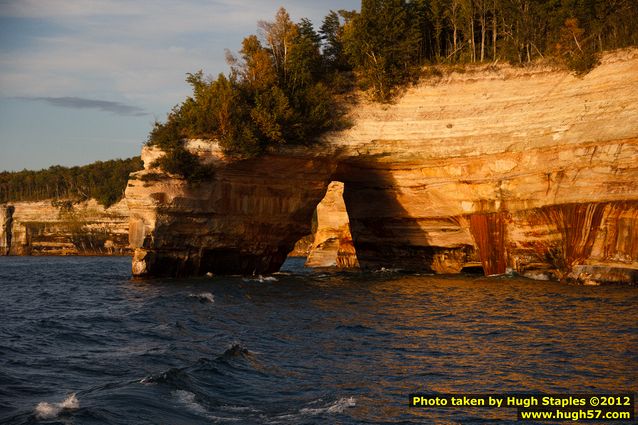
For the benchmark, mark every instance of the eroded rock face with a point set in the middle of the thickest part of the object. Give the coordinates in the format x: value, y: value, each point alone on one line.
x: 245, y: 220
x: 64, y: 228
x: 530, y: 170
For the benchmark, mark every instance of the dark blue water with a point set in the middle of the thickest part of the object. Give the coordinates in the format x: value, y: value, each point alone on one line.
x: 300, y: 348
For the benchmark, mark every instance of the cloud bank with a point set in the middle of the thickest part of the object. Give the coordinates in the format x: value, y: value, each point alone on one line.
x: 82, y: 103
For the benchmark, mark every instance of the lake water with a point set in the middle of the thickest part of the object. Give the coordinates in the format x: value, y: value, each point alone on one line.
x: 82, y: 343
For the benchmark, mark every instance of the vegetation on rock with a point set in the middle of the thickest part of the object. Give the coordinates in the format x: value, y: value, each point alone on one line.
x: 104, y: 181
x: 276, y: 93
x: 286, y: 85
x: 390, y: 41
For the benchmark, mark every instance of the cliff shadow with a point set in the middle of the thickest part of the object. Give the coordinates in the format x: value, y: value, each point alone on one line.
x: 384, y: 233
x: 255, y: 213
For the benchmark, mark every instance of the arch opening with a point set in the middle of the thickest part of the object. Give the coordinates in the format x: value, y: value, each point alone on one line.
x: 330, y: 244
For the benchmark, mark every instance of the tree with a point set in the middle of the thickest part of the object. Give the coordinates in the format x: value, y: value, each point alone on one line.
x: 494, y: 10
x: 331, y: 33
x: 256, y: 68
x: 467, y: 8
x: 453, y: 14
x: 305, y: 60
x: 279, y: 36
x: 482, y: 7
x: 572, y: 50
x: 381, y: 44
x: 437, y: 17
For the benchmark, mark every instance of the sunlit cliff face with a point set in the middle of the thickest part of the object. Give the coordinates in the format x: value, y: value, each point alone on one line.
x: 529, y: 170
x: 333, y: 245
x: 63, y: 228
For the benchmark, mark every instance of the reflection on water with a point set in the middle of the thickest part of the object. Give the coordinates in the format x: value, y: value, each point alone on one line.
x: 300, y: 348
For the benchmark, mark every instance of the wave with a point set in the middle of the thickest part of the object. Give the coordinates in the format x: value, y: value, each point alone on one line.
x: 187, y: 398
x: 338, y: 406
x: 235, y: 351
x: 203, y: 297
x: 175, y: 377
x: 221, y: 419
x: 182, y: 378
x: 354, y: 328
x: 46, y: 410
x: 231, y: 408
x: 384, y: 270
x: 262, y: 279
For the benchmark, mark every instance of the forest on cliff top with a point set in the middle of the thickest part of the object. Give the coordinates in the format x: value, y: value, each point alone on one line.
x: 289, y: 83
x: 104, y: 181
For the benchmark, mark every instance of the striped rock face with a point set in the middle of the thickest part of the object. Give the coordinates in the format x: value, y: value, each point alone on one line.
x: 532, y: 170
x: 64, y: 227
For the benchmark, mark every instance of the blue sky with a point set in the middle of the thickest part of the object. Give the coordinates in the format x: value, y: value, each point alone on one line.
x: 83, y: 80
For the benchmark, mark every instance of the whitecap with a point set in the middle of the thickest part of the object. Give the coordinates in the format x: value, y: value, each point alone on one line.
x: 46, y: 410
x: 187, y: 398
x: 230, y: 408
x: 203, y: 297
x: 221, y: 419
x: 262, y: 279
x: 384, y: 270
x: 337, y: 407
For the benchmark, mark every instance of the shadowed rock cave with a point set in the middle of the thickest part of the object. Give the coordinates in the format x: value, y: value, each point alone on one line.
x: 361, y: 224
x: 386, y: 235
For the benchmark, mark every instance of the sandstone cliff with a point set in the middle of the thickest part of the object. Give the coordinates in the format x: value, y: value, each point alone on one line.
x: 529, y: 169
x: 63, y: 228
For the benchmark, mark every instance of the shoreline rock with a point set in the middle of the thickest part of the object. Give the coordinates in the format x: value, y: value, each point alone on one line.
x: 61, y: 228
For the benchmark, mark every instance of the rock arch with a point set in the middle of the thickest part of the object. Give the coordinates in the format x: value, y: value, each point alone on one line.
x: 533, y: 171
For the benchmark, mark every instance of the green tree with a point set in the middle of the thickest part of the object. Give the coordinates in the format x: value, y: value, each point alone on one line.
x: 273, y: 96
x: 104, y: 181
x: 381, y: 45
x: 305, y: 58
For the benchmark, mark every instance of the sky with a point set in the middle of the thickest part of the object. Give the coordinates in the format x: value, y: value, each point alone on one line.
x: 84, y: 80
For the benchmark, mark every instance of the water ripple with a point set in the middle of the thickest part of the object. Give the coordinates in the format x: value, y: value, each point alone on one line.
x: 299, y: 348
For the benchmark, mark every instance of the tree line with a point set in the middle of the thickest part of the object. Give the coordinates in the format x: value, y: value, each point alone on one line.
x: 391, y: 39
x: 104, y: 181
x: 288, y: 82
